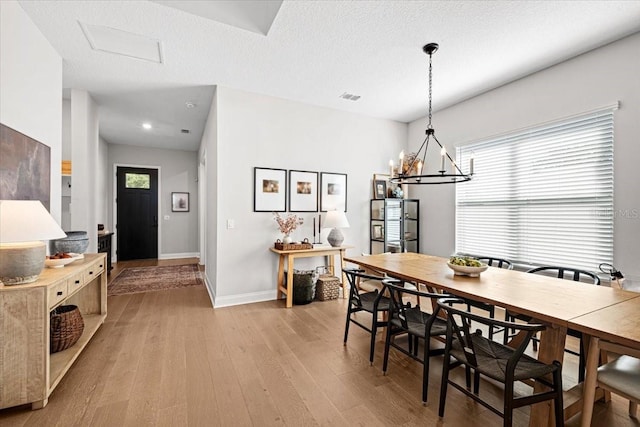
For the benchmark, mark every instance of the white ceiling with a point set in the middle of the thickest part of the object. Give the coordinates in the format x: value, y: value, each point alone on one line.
x: 313, y: 52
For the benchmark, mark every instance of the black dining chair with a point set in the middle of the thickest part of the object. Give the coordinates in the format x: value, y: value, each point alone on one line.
x: 489, y: 308
x: 567, y: 273
x: 373, y: 302
x: 497, y: 361
x: 417, y: 324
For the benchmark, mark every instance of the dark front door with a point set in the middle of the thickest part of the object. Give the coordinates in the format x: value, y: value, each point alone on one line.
x: 137, y: 207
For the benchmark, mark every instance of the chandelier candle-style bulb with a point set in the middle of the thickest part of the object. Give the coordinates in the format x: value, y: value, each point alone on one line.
x: 419, y: 172
x: 443, y: 155
x: 400, y: 168
x: 391, y: 168
x: 471, y: 166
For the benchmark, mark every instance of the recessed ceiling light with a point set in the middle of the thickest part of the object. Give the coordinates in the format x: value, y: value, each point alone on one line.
x: 146, y: 126
x: 190, y: 104
x: 185, y: 131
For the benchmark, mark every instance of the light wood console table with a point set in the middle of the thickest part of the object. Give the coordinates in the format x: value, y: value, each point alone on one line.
x: 286, y: 288
x: 28, y: 373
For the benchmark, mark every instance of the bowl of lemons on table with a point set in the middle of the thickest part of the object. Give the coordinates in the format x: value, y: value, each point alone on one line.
x: 466, y: 266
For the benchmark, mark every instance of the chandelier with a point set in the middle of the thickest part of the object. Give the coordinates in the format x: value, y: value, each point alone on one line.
x: 410, y: 167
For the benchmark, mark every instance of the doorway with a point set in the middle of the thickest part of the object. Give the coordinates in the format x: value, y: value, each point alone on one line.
x: 137, y: 213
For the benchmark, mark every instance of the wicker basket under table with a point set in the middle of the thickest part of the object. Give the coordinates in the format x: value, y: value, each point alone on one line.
x: 67, y: 327
x: 327, y: 287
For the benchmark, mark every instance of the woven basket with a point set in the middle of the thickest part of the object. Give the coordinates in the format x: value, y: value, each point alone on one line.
x: 304, y: 286
x: 292, y: 246
x: 66, y: 327
x: 327, y: 287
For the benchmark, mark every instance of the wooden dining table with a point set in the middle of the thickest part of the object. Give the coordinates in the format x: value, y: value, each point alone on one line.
x: 549, y: 300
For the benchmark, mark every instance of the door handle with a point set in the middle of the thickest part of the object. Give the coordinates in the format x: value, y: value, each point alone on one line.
x: 155, y: 221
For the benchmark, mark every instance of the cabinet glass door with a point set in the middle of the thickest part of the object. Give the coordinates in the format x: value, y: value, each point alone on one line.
x: 394, y: 225
x: 393, y: 216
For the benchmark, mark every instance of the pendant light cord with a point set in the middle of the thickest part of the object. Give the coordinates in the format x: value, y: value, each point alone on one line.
x: 430, y: 111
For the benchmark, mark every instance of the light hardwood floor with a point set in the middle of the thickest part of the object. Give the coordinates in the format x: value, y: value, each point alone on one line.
x: 168, y: 359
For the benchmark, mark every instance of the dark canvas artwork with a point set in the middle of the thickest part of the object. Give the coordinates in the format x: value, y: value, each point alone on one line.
x: 25, y: 167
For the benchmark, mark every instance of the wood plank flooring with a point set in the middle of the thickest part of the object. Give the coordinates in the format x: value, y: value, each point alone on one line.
x: 168, y: 359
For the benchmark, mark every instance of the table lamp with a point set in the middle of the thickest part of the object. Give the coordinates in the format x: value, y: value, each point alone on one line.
x: 336, y: 220
x: 23, y: 226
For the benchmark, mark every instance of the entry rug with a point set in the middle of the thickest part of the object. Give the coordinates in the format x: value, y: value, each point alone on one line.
x: 135, y: 280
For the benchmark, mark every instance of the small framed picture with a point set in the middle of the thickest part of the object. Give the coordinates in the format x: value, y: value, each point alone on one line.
x: 377, y: 232
x: 333, y: 193
x: 303, y: 191
x: 269, y: 190
x: 179, y: 202
x: 383, y: 177
x: 380, y: 189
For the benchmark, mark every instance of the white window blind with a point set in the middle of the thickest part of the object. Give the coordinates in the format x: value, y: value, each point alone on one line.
x: 543, y: 196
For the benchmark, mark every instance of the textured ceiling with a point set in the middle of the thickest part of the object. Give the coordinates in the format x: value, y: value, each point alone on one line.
x: 252, y: 15
x: 315, y: 51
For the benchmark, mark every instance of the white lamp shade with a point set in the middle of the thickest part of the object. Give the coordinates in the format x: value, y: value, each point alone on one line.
x: 336, y: 219
x: 27, y: 221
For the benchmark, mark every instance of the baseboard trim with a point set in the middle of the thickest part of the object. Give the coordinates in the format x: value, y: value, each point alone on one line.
x: 210, y: 291
x: 231, y: 300
x: 227, y: 301
x: 180, y: 255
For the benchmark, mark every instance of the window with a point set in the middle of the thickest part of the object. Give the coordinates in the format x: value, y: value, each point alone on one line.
x: 543, y: 196
x: 138, y: 180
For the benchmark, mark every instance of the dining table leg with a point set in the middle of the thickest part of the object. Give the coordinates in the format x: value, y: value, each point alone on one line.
x: 552, y: 341
x: 590, y: 380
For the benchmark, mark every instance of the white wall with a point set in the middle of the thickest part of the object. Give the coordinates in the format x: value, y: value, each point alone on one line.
x: 103, y: 173
x: 208, y: 157
x: 255, y: 130
x: 178, y: 236
x: 592, y: 80
x: 31, y: 87
x: 84, y: 160
x: 66, y: 129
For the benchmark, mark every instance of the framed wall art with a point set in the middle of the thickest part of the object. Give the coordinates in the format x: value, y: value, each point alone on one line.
x: 25, y: 167
x: 333, y: 191
x: 179, y: 202
x: 303, y: 191
x: 269, y: 190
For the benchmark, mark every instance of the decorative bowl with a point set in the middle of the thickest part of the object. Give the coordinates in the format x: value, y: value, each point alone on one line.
x: 463, y: 270
x: 76, y: 241
x: 61, y: 262
x: 58, y: 263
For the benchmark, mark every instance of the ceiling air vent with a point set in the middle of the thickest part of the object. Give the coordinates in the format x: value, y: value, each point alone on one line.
x: 350, y: 96
x: 185, y: 131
